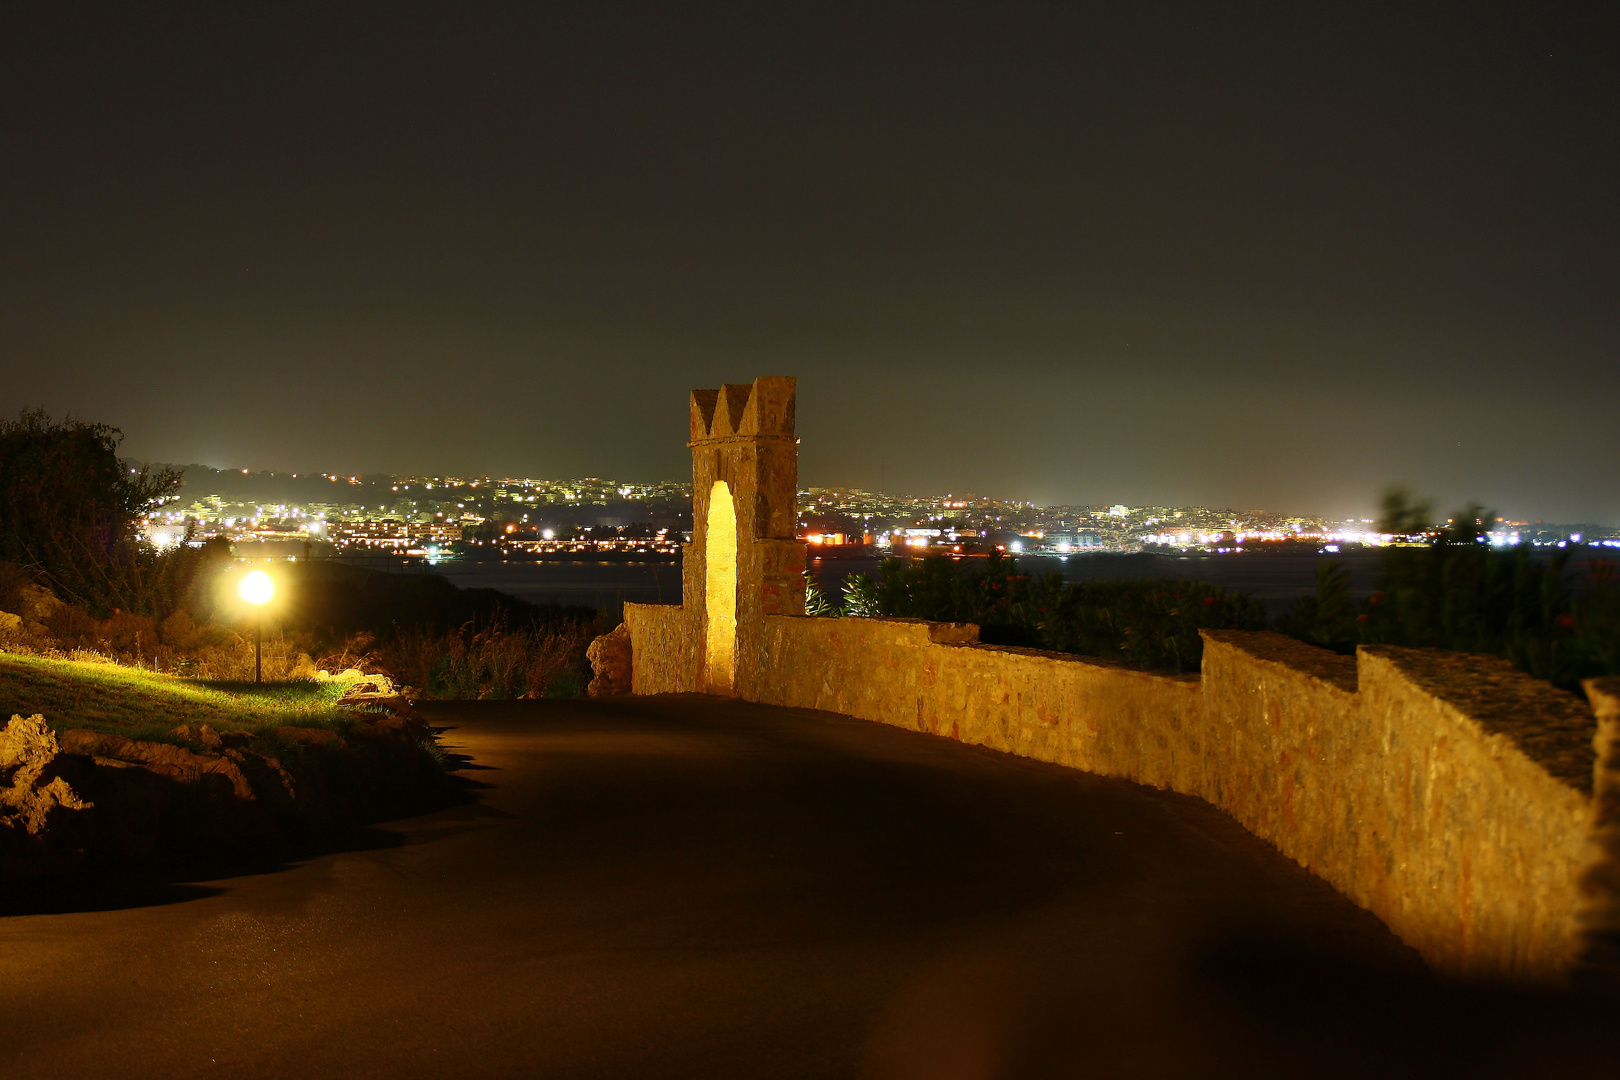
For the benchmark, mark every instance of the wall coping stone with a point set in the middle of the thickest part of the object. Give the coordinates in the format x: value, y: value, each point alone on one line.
x: 912, y: 631
x: 1077, y: 660
x: 1551, y: 727
x: 1268, y: 646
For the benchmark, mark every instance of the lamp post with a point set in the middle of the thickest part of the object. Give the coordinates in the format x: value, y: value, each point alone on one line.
x: 257, y: 589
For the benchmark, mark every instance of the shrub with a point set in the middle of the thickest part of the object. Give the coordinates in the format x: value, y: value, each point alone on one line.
x: 816, y: 603
x: 1143, y: 624
x: 1455, y: 591
x: 70, y: 510
x: 491, y: 661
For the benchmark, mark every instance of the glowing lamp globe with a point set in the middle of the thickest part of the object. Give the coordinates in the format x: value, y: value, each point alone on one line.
x: 257, y: 588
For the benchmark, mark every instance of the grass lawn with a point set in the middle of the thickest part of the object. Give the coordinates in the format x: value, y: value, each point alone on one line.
x: 145, y: 705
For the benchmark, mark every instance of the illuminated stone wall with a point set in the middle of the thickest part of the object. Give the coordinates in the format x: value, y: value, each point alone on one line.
x: 666, y: 643
x: 935, y: 677
x: 1448, y: 794
x: 1445, y: 792
x: 1600, y: 885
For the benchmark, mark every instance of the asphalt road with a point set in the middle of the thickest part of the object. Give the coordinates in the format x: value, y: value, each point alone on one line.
x: 691, y: 887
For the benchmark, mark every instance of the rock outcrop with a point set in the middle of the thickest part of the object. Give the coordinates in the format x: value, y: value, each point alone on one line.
x: 39, y: 604
x: 175, y: 762
x: 610, y: 663
x: 45, y: 825
x: 128, y: 798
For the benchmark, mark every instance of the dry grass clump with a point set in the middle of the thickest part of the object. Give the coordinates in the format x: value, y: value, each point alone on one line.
x: 491, y: 662
x: 179, y: 645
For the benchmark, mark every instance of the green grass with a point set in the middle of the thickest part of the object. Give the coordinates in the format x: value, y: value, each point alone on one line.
x: 145, y: 705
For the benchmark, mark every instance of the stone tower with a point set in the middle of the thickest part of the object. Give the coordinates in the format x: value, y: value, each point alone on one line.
x: 743, y: 562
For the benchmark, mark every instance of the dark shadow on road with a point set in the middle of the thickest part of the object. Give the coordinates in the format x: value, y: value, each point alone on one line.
x: 180, y: 871
x: 460, y: 762
x: 1358, y: 1018
x: 178, y: 876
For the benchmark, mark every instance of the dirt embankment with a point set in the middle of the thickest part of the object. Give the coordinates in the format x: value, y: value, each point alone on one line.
x: 87, y: 797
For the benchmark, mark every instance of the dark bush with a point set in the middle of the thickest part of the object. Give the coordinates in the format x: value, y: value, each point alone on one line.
x: 1143, y: 624
x: 70, y: 512
x: 1453, y: 590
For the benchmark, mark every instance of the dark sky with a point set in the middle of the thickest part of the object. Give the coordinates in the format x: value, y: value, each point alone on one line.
x: 1270, y: 255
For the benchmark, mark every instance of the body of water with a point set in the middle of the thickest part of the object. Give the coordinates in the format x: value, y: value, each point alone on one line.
x: 1275, y: 580
x: 588, y: 583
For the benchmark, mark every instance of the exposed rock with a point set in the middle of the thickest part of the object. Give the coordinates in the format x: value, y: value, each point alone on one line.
x: 359, y: 682
x: 310, y: 736
x: 386, y: 726
x: 24, y: 743
x: 270, y: 778
x: 148, y: 799
x: 39, y: 604
x: 175, y: 762
x: 370, y: 687
x: 44, y: 824
x: 610, y: 662
x: 10, y: 625
x: 204, y: 734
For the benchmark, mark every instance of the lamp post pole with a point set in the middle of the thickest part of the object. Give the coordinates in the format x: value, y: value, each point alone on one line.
x: 256, y: 589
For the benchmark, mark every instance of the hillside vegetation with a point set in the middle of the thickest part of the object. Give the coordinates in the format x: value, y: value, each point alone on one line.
x: 147, y: 705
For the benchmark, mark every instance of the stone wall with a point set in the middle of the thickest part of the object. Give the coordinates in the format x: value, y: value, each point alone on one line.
x: 1600, y: 885
x: 1448, y: 794
x: 1434, y: 789
x: 935, y: 677
x: 666, y: 647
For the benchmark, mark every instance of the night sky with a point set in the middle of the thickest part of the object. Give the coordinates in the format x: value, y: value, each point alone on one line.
x: 1265, y: 255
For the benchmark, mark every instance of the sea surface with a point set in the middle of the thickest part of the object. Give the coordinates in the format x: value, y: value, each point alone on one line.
x: 586, y: 583
x: 1275, y: 580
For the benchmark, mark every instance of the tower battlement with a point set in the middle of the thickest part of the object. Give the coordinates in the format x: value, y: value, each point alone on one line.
x: 763, y: 409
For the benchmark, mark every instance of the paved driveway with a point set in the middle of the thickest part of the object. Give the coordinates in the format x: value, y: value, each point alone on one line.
x: 692, y: 887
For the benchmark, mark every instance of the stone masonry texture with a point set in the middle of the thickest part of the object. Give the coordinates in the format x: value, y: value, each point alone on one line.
x: 1447, y: 793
